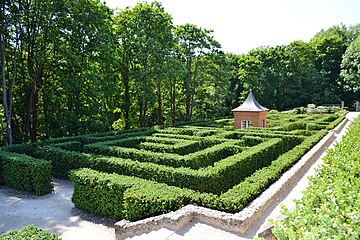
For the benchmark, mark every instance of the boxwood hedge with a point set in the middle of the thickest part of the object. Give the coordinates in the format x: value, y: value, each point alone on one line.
x: 30, y: 232
x: 25, y: 173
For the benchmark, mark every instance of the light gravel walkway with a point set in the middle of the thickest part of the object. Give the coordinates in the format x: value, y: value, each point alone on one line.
x: 54, y: 212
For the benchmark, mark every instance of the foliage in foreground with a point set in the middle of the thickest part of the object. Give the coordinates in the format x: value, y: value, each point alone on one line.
x: 329, y: 208
x: 30, y: 232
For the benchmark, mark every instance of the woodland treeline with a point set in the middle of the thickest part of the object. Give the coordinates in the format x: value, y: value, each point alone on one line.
x: 72, y: 67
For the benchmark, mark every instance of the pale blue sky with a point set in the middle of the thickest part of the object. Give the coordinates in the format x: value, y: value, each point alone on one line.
x: 241, y: 25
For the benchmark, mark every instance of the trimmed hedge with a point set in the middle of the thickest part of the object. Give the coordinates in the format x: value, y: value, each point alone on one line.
x: 151, y: 199
x: 119, y: 196
x: 70, y: 145
x: 107, y: 136
x: 30, y: 232
x: 196, y: 160
x: 182, y: 148
x: 25, y: 173
x: 101, y: 193
x: 336, y: 122
x: 63, y: 161
x: 205, y: 179
x: 240, y: 195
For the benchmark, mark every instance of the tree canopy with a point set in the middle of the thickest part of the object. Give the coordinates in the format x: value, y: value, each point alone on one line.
x: 75, y: 67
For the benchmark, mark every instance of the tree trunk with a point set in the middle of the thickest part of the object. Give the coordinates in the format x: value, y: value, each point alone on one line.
x: 32, y: 111
x: 188, y: 93
x: 31, y: 116
x: 172, y: 101
x: 193, y: 90
x: 7, y: 113
x: 142, y: 111
x: 126, y: 97
x: 160, y: 114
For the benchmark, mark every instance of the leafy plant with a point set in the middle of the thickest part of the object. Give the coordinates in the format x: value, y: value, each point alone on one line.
x: 30, y: 232
x: 329, y: 208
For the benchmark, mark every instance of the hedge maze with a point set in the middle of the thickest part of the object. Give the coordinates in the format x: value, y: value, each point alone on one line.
x: 138, y: 173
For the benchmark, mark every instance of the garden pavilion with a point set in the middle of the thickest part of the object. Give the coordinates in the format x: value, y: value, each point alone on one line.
x: 250, y: 114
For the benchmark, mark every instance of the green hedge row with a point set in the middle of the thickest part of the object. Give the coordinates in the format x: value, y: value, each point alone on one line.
x: 195, y: 160
x: 240, y: 195
x: 207, y: 140
x: 208, y: 179
x: 164, y: 140
x: 30, y: 232
x: 101, y: 193
x: 107, y: 136
x: 160, y: 144
x: 25, y: 173
x: 70, y: 145
x: 119, y: 196
x: 289, y: 140
x: 178, y: 131
x: 329, y: 208
x: 303, y: 123
x: 183, y: 148
x: 336, y: 122
x: 76, y: 143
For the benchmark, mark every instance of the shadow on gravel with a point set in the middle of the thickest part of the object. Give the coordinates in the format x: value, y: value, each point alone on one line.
x: 53, y: 211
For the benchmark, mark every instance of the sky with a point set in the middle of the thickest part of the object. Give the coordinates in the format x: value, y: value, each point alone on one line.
x: 242, y: 25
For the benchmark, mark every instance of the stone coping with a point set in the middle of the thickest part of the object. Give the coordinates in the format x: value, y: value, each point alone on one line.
x: 239, y: 222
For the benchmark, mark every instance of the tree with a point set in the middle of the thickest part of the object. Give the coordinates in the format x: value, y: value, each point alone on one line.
x: 84, y: 78
x: 350, y: 72
x: 145, y: 39
x: 7, y: 98
x: 329, y: 46
x: 299, y: 74
x: 194, y: 43
x: 235, y: 85
x: 55, y: 57
x: 281, y: 77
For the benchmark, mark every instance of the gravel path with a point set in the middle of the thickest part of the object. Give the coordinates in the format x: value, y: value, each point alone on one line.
x: 54, y: 212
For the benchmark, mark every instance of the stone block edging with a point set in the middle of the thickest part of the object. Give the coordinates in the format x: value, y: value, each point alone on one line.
x: 238, y: 222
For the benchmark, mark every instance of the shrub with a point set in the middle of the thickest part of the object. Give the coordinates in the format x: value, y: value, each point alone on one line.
x: 63, y: 161
x: 182, y: 148
x: 30, y: 232
x: 329, y: 208
x: 334, y: 123
x: 26, y: 173
x: 119, y: 196
x: 101, y: 193
x: 70, y: 145
x: 240, y: 195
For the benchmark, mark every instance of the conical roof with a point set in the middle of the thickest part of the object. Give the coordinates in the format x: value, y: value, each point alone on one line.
x: 250, y: 105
